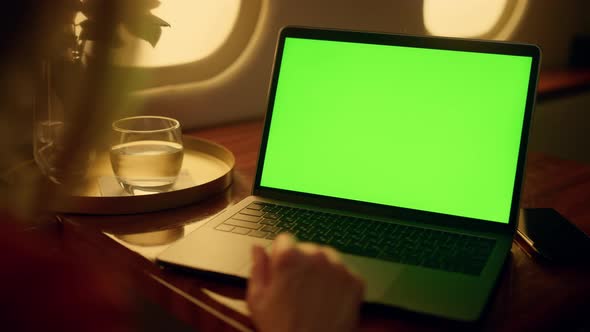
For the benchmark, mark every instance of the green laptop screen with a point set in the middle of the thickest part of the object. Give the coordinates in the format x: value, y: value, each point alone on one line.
x: 425, y: 129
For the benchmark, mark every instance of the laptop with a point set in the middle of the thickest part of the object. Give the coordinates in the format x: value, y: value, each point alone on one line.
x: 405, y: 153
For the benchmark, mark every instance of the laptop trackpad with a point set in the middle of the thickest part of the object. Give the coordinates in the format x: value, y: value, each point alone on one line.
x: 213, y: 251
x: 379, y: 276
x: 244, y: 270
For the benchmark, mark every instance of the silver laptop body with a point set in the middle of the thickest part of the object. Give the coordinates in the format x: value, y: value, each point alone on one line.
x: 293, y: 185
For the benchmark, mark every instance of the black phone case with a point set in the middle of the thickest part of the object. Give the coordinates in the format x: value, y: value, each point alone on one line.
x: 553, y: 237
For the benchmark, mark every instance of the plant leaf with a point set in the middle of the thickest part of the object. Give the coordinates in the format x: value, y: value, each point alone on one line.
x: 148, y: 32
x: 156, y: 20
x: 89, y: 31
x: 135, y: 16
x: 147, y: 27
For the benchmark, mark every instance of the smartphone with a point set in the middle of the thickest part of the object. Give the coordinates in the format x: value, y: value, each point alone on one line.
x: 552, y: 237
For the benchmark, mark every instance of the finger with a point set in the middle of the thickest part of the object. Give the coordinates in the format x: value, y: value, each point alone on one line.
x: 313, y: 249
x: 285, y: 256
x: 332, y: 254
x: 284, y: 242
x: 260, y: 273
x: 308, y: 248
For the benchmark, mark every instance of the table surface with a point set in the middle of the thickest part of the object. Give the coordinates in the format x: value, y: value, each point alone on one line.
x: 531, y: 294
x: 559, y: 83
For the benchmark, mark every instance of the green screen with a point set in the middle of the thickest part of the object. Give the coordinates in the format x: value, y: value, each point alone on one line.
x: 426, y: 129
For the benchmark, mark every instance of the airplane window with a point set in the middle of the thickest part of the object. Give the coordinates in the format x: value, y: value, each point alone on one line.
x: 198, y: 28
x: 492, y: 19
x: 205, y: 37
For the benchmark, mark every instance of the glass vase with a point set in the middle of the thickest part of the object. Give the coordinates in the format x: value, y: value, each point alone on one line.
x: 55, y: 101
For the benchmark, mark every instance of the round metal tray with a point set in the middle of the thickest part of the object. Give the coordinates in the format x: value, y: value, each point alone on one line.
x: 208, y: 164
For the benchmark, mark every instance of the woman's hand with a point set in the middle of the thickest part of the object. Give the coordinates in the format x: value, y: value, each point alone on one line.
x: 302, y: 287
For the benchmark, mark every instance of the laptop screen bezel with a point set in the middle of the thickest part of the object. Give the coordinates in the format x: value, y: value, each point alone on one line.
x: 441, y: 43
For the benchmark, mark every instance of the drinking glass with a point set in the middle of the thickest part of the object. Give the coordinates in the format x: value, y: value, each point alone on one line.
x: 146, y: 153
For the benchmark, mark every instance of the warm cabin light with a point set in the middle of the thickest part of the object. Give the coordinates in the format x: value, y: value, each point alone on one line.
x: 494, y: 19
x: 198, y: 28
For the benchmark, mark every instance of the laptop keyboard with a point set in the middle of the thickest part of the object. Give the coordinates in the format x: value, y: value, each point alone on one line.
x: 369, y: 238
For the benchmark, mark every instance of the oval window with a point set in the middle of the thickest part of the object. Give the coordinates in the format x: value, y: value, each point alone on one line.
x: 203, y: 39
x: 492, y: 19
x: 198, y: 28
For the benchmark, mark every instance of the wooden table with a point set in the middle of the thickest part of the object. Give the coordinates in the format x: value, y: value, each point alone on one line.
x: 531, y: 295
x: 559, y: 83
